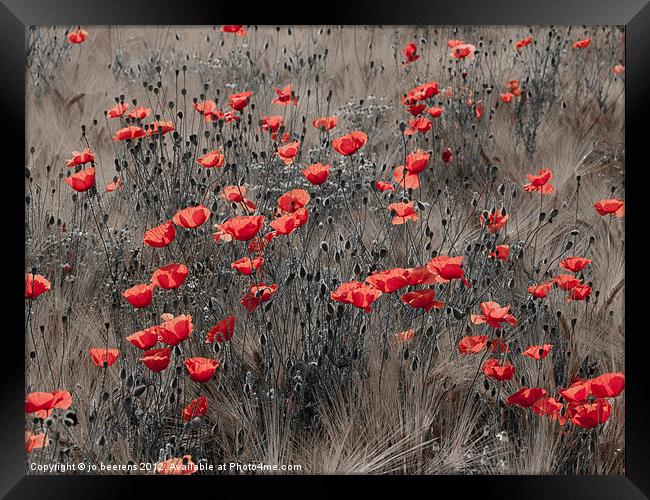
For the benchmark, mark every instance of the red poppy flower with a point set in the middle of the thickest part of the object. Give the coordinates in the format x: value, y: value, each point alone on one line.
x: 435, y: 111
x: 618, y: 69
x: 540, y: 291
x: 207, y: 108
x: 575, y: 264
x: 239, y: 101
x: 494, y: 315
x: 538, y: 351
x: 447, y: 155
x: 139, y: 113
x: 80, y: 158
x: 421, y: 92
x: 103, y: 357
x: 576, y: 392
x: 356, y: 293
x: 237, y: 194
x: 512, y: 86
x: 77, y: 36
x: 403, y: 212
x: 463, y: 50
x: 526, y: 396
x: 579, y: 292
x: 350, y: 143
x: 212, y: 159
x: 145, y: 339
x: 416, y: 109
x: 404, y: 337
x: 540, y: 182
x: 220, y: 236
x: 581, y: 44
x: 405, y: 179
x: 388, y: 281
x: 118, y: 110
x: 112, y: 186
x: 222, y: 331
x: 237, y: 29
x: 139, y: 295
x: 272, y: 124
x: 198, y: 406
x: 520, y: 44
x: 243, y: 227
x: 566, y: 281
x: 157, y: 360
x: 228, y: 116
x: 501, y: 252
x: 422, y: 299
x: 42, y: 403
x: 260, y: 243
x: 191, y: 217
x: 384, y: 186
x: 446, y: 268
x: 37, y: 401
x: 472, y: 344
x: 325, y: 122
x: 174, y: 331
x: 246, y: 266
x: 550, y: 407
x: 589, y: 415
x: 160, y: 127
x: 410, y: 52
x: 293, y: 200
x: 421, y: 125
x: 610, y: 207
x: 317, y: 173
x: 129, y: 133
x: 35, y: 285
x: 416, y: 162
x: 257, y: 294
x: 479, y: 110
x: 34, y: 441
x: 201, y: 369
x: 506, y: 97
x: 288, y: 152
x: 420, y: 276
x: 493, y: 369
x: 454, y: 43
x: 82, y: 180
x: 160, y: 236
x: 607, y: 385
x: 177, y: 466
x: 169, y: 277
x: 283, y: 96
x: 496, y: 221
x: 286, y: 224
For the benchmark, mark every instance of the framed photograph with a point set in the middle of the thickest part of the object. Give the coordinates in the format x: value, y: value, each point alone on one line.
x: 388, y: 244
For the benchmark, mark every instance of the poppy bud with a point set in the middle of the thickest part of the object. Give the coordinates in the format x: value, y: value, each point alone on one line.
x: 458, y: 314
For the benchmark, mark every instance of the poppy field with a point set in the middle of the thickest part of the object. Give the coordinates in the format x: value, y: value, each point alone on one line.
x: 325, y: 250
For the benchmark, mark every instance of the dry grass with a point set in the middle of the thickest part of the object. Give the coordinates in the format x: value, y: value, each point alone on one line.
x: 379, y: 414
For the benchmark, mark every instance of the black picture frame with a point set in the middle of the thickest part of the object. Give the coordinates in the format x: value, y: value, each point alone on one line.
x: 16, y: 15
